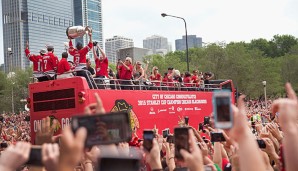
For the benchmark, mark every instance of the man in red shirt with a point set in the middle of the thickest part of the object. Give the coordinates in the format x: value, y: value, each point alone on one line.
x: 64, y: 70
x: 37, y: 62
x: 79, y: 58
x: 49, y: 63
x: 79, y: 53
x: 101, y: 65
x: 195, y: 78
x: 125, y: 73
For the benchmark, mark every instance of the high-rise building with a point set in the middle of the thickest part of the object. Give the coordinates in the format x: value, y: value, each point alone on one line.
x: 39, y: 22
x: 157, y: 44
x: 114, y: 44
x: 135, y: 53
x: 88, y: 13
x: 193, y: 41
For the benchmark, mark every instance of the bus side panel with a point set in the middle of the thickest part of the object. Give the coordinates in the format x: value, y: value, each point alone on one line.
x: 57, y: 99
x: 161, y: 108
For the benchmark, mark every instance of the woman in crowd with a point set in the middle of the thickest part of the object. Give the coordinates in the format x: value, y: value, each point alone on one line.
x: 155, y: 77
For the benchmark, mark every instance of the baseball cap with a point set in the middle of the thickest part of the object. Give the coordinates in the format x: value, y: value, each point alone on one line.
x: 43, y: 51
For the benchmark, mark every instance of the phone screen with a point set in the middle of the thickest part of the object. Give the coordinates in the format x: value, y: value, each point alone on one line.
x: 222, y: 110
x: 104, y: 129
x: 206, y: 120
x: 123, y: 164
x: 148, y: 136
x: 35, y: 156
x: 165, y: 133
x: 261, y: 143
x: 181, y: 139
x: 170, y: 139
x: 217, y: 137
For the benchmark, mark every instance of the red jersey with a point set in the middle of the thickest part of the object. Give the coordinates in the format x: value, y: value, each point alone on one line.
x: 101, y: 67
x: 195, y: 79
x: 187, y: 81
x: 170, y: 80
x: 79, y: 56
x: 156, y: 79
x: 35, y: 59
x: 124, y: 73
x: 63, y: 66
x: 49, y: 62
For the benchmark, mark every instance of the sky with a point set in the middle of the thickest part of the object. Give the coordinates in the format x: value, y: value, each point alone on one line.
x: 213, y: 20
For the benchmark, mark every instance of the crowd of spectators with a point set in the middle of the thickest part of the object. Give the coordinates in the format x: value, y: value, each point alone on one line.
x: 277, y: 135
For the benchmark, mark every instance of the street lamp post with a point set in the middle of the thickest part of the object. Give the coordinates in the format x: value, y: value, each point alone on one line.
x: 10, y: 76
x: 265, y: 92
x: 187, y: 60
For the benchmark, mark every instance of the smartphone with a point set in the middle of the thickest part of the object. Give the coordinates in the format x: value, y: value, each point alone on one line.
x: 27, y: 118
x: 186, y: 119
x: 261, y: 143
x: 119, y: 163
x: 181, y: 169
x: 102, y: 129
x: 35, y: 156
x: 3, y: 145
x: 165, y: 133
x: 201, y: 127
x: 148, y: 136
x: 217, y: 137
x: 181, y: 139
x: 222, y: 110
x: 170, y: 139
x: 206, y: 120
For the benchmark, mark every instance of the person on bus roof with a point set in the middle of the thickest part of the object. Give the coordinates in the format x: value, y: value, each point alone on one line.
x: 101, y: 65
x: 64, y: 70
x: 50, y: 62
x: 37, y: 62
x: 79, y: 58
x: 125, y: 70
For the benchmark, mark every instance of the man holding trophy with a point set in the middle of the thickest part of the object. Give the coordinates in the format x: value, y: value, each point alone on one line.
x: 79, y: 53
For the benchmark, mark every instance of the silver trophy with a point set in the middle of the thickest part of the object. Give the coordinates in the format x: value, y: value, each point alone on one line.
x: 77, y: 31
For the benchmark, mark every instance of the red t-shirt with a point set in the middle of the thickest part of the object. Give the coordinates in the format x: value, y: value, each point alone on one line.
x: 170, y: 80
x: 195, y: 79
x: 79, y: 56
x: 156, y: 79
x: 63, y: 66
x: 187, y: 81
x: 101, y: 67
x: 49, y: 62
x: 124, y: 73
x: 35, y: 59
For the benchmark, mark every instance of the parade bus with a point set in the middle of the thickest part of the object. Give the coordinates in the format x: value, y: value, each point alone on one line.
x: 148, y: 107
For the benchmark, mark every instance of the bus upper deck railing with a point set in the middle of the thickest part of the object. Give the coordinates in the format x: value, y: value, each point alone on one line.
x: 119, y: 84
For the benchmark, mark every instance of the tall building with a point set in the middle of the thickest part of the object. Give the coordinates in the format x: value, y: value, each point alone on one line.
x: 26, y: 20
x: 193, y: 41
x: 114, y: 44
x: 157, y: 44
x: 135, y: 53
x: 88, y: 13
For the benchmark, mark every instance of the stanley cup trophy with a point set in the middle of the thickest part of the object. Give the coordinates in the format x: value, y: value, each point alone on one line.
x: 77, y: 31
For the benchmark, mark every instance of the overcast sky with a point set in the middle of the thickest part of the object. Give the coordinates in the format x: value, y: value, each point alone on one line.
x: 213, y: 20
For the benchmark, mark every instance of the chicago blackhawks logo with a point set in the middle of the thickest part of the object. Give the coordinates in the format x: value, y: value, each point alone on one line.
x: 122, y: 105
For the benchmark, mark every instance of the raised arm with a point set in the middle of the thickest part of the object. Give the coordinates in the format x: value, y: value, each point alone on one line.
x: 71, y: 49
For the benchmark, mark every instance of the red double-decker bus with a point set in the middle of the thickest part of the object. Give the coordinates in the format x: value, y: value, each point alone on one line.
x: 61, y: 99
